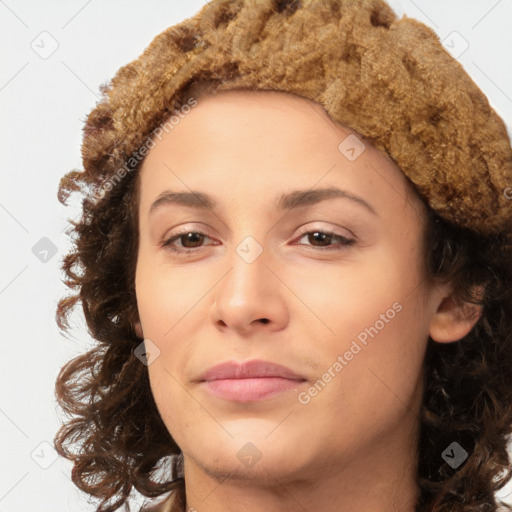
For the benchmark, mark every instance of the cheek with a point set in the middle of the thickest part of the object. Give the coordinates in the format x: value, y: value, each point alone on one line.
x: 372, y: 316
x: 176, y: 406
x: 166, y: 296
x: 341, y: 301
x: 171, y: 306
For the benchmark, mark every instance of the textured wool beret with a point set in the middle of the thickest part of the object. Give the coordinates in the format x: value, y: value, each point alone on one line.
x: 388, y: 79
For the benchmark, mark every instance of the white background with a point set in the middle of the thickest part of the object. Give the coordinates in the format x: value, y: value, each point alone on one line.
x: 44, y: 103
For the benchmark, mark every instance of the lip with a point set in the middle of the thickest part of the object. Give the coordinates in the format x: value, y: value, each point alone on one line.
x: 249, y: 381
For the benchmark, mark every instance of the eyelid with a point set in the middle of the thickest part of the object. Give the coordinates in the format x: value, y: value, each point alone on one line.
x: 181, y: 230
x: 325, y: 229
x: 344, y: 241
x: 174, y: 235
x: 301, y: 230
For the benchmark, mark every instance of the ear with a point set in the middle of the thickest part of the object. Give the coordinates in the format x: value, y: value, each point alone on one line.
x: 138, y: 329
x: 454, y: 319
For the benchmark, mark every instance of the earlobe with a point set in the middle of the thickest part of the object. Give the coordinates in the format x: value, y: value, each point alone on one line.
x: 453, y: 320
x: 138, y: 330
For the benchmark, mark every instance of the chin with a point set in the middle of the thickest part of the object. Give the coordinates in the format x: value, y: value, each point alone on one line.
x: 266, y: 471
x: 256, y: 449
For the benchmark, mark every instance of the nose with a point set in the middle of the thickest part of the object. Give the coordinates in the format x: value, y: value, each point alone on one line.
x: 250, y: 298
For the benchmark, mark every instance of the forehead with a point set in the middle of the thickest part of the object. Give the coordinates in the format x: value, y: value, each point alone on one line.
x: 266, y: 139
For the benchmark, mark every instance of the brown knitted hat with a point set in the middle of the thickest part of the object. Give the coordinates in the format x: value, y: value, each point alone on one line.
x: 388, y: 79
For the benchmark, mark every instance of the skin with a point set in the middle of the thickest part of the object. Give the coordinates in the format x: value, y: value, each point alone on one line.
x: 352, y: 446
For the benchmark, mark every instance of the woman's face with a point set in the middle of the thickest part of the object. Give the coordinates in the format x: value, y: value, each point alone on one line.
x: 306, y: 253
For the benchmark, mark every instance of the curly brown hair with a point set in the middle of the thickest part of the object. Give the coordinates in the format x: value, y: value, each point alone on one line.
x: 115, y: 435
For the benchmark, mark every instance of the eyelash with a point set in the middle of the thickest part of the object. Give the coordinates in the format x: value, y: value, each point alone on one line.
x: 346, y: 242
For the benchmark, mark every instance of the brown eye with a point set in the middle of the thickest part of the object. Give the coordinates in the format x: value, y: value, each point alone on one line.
x: 317, y: 236
x: 189, y: 240
x: 193, y: 238
x: 323, y: 240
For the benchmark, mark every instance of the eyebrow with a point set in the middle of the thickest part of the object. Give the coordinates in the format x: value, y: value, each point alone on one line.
x: 288, y: 201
